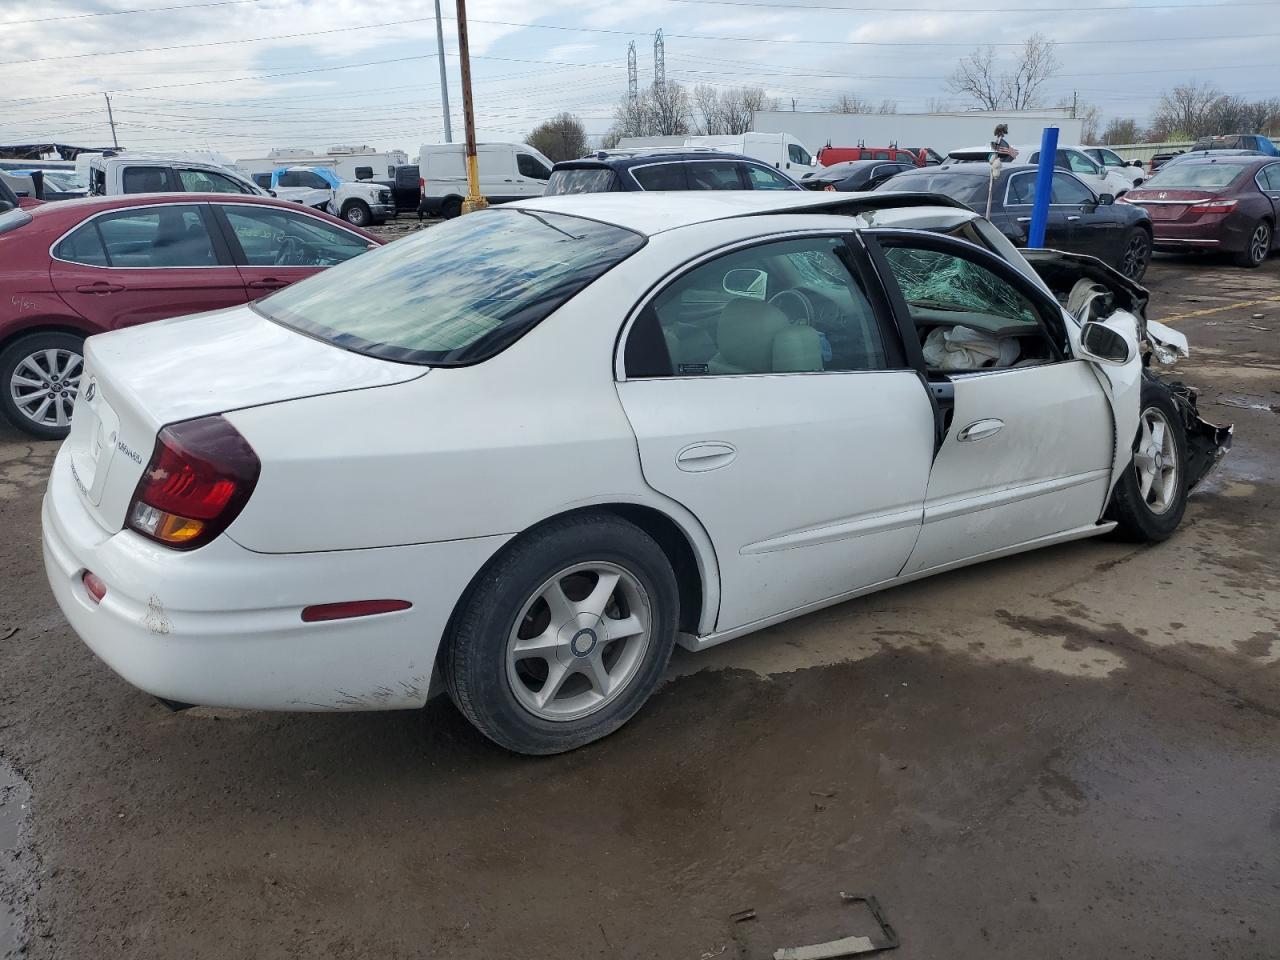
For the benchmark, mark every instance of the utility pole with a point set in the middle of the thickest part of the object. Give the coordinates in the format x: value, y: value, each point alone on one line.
x: 1074, y: 103
x: 444, y: 77
x: 474, y: 200
x: 111, y: 120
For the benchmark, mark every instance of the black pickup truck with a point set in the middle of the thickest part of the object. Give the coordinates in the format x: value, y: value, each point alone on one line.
x: 406, y: 187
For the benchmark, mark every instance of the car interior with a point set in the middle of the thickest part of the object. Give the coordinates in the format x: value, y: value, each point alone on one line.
x: 163, y: 237
x: 279, y: 238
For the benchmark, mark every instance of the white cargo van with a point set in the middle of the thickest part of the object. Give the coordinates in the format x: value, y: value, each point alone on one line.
x: 508, y: 171
x: 780, y: 150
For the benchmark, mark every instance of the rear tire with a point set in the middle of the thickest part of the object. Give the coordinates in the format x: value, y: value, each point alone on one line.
x: 535, y: 687
x: 1151, y: 495
x: 1135, y: 255
x: 36, y: 368
x: 1257, y: 247
x: 451, y: 207
x: 357, y: 213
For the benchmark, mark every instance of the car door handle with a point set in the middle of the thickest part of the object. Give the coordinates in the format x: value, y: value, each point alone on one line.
x: 1024, y: 219
x: 267, y: 283
x: 706, y: 455
x: 100, y: 286
x: 981, y: 429
x: 1073, y: 217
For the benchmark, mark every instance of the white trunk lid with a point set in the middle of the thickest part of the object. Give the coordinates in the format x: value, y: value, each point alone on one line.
x: 138, y: 380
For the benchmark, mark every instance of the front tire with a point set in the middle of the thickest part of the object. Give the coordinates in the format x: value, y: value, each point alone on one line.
x: 357, y: 213
x: 1135, y: 254
x: 451, y: 207
x: 1257, y: 247
x: 1151, y: 496
x: 39, y: 380
x: 564, y: 636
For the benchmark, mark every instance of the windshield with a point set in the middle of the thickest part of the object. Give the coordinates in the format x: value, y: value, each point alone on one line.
x: 964, y: 187
x: 1196, y: 176
x: 458, y: 293
x: 587, y: 180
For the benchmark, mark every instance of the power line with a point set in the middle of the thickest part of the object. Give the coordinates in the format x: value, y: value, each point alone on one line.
x: 120, y: 13
x: 1022, y: 9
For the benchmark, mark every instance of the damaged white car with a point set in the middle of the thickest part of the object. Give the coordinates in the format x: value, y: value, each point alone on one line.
x: 528, y: 451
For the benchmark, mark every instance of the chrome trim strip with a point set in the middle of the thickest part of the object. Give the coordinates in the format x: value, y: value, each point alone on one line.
x: 841, y: 530
x: 951, y: 508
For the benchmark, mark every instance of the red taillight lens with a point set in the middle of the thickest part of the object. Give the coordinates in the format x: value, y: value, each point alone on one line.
x: 93, y: 586
x: 1214, y: 206
x: 200, y: 476
x: 422, y: 186
x: 351, y: 608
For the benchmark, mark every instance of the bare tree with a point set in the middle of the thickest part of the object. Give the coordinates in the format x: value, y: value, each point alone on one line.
x: 706, y: 101
x: 729, y: 111
x: 851, y: 103
x: 887, y: 106
x: 664, y: 111
x: 978, y: 76
x: 938, y: 105
x: 563, y: 137
x: 1089, y: 113
x: 1186, y: 111
x: 1122, y: 130
x: 1263, y: 116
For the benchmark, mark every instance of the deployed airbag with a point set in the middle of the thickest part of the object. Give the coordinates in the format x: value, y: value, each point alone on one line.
x: 964, y: 348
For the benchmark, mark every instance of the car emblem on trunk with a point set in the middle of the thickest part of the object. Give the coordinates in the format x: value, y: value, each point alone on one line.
x: 1161, y: 195
x: 91, y: 389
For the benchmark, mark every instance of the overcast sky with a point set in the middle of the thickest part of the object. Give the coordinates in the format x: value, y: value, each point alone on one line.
x: 222, y: 88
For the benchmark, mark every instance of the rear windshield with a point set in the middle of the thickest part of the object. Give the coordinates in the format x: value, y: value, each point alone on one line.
x: 590, y: 180
x: 1196, y: 176
x: 457, y: 293
x: 964, y: 187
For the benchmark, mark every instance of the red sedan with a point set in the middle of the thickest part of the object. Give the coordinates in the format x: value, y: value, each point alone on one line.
x: 1228, y: 203
x: 72, y: 269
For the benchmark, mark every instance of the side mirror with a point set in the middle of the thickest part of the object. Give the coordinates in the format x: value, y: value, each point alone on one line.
x: 1136, y: 163
x: 1106, y: 199
x: 272, y: 193
x: 1102, y: 344
x: 746, y: 283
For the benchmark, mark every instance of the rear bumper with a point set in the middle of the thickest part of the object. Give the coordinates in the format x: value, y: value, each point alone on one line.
x: 1229, y: 233
x: 222, y: 626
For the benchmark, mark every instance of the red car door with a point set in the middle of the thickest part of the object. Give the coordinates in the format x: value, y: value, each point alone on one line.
x: 276, y: 246
x: 145, y: 263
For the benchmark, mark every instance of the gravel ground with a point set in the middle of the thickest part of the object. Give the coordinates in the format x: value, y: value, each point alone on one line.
x: 1067, y: 753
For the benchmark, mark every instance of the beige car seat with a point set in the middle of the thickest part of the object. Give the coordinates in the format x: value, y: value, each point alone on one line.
x: 757, y: 337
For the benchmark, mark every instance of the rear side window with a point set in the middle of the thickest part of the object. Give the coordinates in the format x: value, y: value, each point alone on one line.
x: 762, y: 178
x: 714, y: 175
x: 83, y: 246
x: 661, y: 176
x: 263, y: 180
x: 1270, y: 177
x: 168, y: 236
x: 594, y: 180
x: 1021, y: 190
x: 458, y: 293
x: 146, y: 180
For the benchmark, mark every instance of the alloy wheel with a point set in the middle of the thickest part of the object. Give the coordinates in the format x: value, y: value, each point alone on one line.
x: 579, y: 641
x: 1260, y: 243
x: 1156, y: 461
x: 44, y: 386
x: 1135, y: 256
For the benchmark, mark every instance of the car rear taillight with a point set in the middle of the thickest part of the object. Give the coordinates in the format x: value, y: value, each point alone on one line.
x: 422, y: 186
x: 200, y: 476
x: 1214, y: 206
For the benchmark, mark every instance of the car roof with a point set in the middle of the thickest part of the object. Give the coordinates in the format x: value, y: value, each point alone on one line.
x: 1223, y: 156
x: 651, y: 213
x: 616, y: 161
x: 80, y: 208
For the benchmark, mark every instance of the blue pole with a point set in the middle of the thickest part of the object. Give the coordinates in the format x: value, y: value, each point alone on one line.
x: 1044, y: 184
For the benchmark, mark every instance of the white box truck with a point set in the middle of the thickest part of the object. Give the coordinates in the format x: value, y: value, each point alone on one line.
x: 778, y: 149
x: 508, y: 171
x: 350, y: 163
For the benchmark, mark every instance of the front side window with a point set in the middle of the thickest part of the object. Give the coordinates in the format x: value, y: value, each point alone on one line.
x: 1067, y: 189
x: 765, y: 178
x: 206, y: 181
x: 531, y: 167
x: 661, y: 176
x: 145, y: 180
x: 458, y: 293
x: 714, y: 175
x: 1110, y: 159
x: 589, y: 180
x: 966, y: 316
x: 273, y: 237
x: 1077, y: 162
x: 790, y: 306
x: 798, y: 154
x: 167, y: 236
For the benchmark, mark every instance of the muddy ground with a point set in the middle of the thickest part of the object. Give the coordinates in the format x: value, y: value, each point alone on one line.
x: 1073, y: 753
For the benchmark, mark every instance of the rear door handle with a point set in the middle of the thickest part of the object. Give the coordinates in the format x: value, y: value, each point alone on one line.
x: 1072, y: 217
x: 1024, y: 219
x: 981, y: 429
x: 706, y: 455
x: 99, y: 286
x: 267, y: 283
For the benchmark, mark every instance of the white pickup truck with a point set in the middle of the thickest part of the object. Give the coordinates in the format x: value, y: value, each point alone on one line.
x: 125, y: 173
x: 355, y: 201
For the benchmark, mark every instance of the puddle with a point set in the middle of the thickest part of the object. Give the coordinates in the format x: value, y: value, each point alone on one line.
x: 15, y: 804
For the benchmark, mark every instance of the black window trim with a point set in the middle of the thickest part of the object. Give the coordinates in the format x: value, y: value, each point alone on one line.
x: 746, y: 177
x: 220, y: 249
x: 684, y: 163
x: 1274, y: 165
x: 235, y: 252
x: 877, y: 238
x: 897, y: 360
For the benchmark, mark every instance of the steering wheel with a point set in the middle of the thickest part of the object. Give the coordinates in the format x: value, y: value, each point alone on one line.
x: 292, y: 252
x: 783, y: 298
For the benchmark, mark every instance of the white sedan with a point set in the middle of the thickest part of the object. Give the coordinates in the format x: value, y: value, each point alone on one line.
x: 528, y: 451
